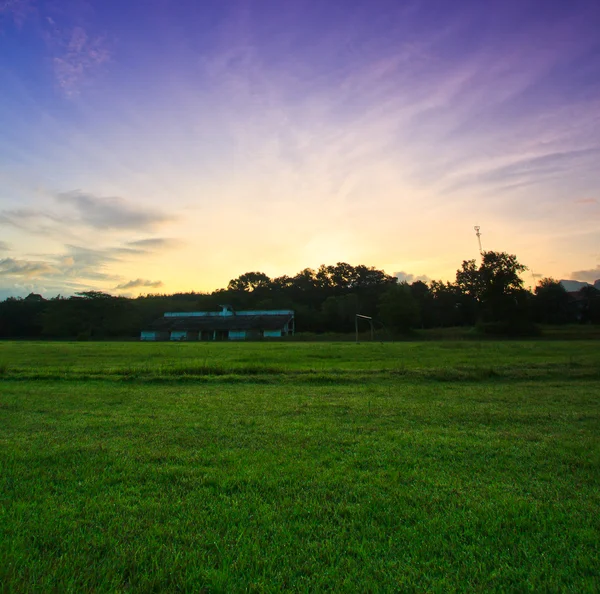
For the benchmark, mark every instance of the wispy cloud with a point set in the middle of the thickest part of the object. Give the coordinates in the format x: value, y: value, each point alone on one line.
x: 18, y: 10
x: 76, y: 54
x: 48, y: 287
x: 156, y: 243
x: 139, y: 283
x: 112, y: 212
x: 85, y: 261
x: 528, y: 170
x: 94, y: 264
x: 399, y: 124
x: 78, y: 59
x: 76, y: 264
x: 26, y: 268
x: 410, y: 102
x: 38, y: 222
x: 586, y: 201
x: 78, y: 210
x: 76, y: 267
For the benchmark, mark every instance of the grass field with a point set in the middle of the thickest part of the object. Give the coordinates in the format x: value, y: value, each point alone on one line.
x: 417, y: 466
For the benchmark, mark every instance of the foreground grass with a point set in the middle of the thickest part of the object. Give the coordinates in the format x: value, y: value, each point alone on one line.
x: 367, y: 480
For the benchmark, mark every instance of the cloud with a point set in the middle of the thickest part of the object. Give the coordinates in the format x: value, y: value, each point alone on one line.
x: 4, y: 247
x: 586, y: 201
x: 155, y: 243
x: 86, y: 209
x: 139, y: 283
x: 397, y: 119
x: 80, y: 258
x: 26, y: 268
x: 77, y: 268
x: 41, y: 223
x: 111, y: 212
x: 406, y: 277
x: 336, y: 118
x: 77, y: 55
x: 76, y: 263
x: 81, y: 262
x: 525, y: 171
x: 80, y: 57
x: 47, y: 287
x: 19, y: 10
x: 589, y: 276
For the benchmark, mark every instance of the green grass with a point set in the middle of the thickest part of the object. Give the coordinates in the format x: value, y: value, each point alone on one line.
x: 72, y: 360
x: 305, y: 467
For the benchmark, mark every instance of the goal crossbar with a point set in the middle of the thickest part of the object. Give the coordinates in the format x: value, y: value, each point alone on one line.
x: 369, y: 318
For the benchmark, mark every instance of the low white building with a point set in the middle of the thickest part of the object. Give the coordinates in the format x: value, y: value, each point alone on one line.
x: 226, y: 324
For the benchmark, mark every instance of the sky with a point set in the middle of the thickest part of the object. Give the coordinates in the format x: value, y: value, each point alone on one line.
x: 159, y: 146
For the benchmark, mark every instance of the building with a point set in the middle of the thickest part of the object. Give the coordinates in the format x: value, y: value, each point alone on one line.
x: 226, y: 324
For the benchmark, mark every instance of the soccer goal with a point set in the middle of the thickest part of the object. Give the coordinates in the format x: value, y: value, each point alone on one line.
x: 369, y: 319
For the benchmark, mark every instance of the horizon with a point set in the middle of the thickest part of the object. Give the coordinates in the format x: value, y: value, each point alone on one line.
x: 147, y: 145
x: 571, y: 286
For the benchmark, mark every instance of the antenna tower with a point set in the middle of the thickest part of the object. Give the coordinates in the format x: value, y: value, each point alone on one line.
x: 478, y: 233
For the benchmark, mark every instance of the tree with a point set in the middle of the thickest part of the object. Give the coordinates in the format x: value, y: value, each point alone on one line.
x: 496, y: 285
x: 552, y: 303
x: 398, y: 308
x: 590, y: 304
x: 339, y: 312
x: 20, y: 318
x: 250, y: 281
x: 344, y: 277
x: 451, y: 306
x: 468, y: 279
x: 422, y: 295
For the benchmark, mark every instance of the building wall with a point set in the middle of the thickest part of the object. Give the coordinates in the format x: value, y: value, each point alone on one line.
x: 228, y: 312
x: 237, y: 334
x: 248, y: 334
x: 272, y: 334
x: 153, y: 335
x: 179, y: 335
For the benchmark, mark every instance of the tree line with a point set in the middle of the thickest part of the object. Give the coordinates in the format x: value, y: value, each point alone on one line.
x: 490, y: 295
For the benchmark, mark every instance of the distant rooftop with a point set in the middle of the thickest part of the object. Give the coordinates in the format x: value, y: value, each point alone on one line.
x: 226, y: 311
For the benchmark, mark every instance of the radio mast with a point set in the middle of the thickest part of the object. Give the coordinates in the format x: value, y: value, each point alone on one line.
x: 478, y: 233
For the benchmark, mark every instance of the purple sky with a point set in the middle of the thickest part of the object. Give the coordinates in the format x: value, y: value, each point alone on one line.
x: 173, y: 145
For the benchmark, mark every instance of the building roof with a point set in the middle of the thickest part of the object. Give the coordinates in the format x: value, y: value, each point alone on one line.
x: 245, y: 322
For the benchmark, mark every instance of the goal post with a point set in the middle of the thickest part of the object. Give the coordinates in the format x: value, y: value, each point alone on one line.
x: 369, y: 319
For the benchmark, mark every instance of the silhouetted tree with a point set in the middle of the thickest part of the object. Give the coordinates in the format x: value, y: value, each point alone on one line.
x: 552, y: 304
x: 590, y: 305
x: 339, y: 312
x: 250, y: 281
x: 398, y: 309
x: 450, y: 306
x: 495, y: 285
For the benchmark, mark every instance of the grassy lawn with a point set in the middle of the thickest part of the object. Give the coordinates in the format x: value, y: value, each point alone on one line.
x: 456, y: 466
